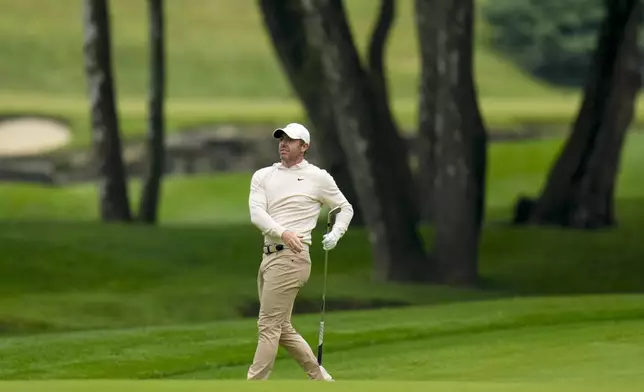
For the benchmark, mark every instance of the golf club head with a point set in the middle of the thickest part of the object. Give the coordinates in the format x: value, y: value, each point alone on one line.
x: 332, y: 215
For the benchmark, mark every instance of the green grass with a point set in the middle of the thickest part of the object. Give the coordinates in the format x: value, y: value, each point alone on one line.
x: 555, y: 311
x: 85, y: 275
x: 288, y: 386
x: 214, y: 50
x: 519, y: 343
x: 80, y: 300
x: 222, y: 68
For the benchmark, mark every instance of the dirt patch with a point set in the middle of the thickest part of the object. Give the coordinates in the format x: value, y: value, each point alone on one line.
x: 31, y: 135
x: 306, y: 305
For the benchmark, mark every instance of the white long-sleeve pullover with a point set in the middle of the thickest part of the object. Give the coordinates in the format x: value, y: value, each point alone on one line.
x: 291, y: 199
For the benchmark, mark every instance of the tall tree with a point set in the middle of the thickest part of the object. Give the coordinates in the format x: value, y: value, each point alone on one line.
x: 156, y: 126
x: 580, y: 188
x: 379, y: 165
x: 114, y: 204
x: 376, y: 72
x: 452, y: 138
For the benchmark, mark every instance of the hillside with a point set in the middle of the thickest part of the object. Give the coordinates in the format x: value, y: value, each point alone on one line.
x: 221, y: 67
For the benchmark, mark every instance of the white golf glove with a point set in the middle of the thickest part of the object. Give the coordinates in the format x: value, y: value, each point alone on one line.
x: 330, y: 240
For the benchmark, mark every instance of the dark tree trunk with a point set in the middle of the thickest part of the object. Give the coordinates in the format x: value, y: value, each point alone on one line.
x: 377, y: 45
x: 156, y: 127
x: 378, y: 170
x: 580, y: 189
x: 452, y: 137
x: 301, y: 63
x: 389, y: 128
x: 114, y: 204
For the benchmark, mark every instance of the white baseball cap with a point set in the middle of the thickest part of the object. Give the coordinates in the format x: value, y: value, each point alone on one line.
x: 294, y: 131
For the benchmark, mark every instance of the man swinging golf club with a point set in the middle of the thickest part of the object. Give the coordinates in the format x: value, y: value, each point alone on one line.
x: 285, y: 202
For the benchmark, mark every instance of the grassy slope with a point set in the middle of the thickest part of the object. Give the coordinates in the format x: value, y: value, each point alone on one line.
x: 215, y: 50
x: 115, y: 276
x: 221, y: 67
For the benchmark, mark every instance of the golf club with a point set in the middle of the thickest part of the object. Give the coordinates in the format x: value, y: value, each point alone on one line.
x: 329, y: 225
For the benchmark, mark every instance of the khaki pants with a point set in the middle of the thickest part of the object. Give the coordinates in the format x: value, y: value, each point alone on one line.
x: 280, y: 277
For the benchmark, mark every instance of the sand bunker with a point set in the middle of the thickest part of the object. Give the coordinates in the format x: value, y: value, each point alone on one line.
x: 31, y: 135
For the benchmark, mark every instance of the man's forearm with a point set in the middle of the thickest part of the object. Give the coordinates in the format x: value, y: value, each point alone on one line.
x: 343, y: 219
x: 260, y: 218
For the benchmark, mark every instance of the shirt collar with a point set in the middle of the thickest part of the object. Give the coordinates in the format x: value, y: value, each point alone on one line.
x: 300, y: 165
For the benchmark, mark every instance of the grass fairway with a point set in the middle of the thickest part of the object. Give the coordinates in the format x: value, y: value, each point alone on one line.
x: 297, y: 386
x: 588, y: 340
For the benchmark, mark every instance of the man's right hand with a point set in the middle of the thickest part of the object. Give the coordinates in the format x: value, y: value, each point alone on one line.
x: 293, y: 241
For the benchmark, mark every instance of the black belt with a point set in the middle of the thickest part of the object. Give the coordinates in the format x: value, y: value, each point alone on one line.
x: 272, y: 248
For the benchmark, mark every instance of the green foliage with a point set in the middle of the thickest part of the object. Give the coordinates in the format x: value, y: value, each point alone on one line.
x: 552, y: 39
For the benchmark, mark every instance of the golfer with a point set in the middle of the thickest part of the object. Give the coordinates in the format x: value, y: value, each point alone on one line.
x: 285, y: 201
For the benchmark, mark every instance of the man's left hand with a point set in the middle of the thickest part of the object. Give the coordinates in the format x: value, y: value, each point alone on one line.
x: 330, y: 240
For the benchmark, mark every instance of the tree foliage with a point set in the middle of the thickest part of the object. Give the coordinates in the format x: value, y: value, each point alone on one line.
x: 552, y: 39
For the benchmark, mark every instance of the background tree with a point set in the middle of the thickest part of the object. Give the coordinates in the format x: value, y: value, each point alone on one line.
x: 114, y: 204
x: 150, y: 196
x: 580, y: 188
x: 452, y: 138
x: 379, y: 159
x: 552, y: 39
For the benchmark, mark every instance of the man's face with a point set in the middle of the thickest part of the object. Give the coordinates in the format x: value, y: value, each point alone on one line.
x: 291, y: 149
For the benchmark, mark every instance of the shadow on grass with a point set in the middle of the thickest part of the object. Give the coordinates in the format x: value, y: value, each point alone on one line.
x: 305, y: 305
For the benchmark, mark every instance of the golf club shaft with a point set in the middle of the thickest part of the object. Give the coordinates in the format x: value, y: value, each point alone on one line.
x: 329, y: 225
x: 321, y: 332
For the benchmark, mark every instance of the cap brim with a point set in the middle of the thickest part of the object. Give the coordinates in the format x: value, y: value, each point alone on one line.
x: 279, y: 131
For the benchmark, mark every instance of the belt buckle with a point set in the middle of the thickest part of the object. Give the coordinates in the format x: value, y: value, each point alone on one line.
x: 273, y: 248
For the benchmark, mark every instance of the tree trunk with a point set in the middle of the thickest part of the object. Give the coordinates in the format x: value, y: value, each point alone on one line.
x: 452, y: 138
x: 301, y: 63
x: 389, y: 128
x: 580, y: 189
x: 114, y: 204
x: 379, y: 175
x: 156, y: 128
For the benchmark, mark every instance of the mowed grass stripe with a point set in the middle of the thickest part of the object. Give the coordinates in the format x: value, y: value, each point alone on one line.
x: 179, y: 350
x: 580, y: 352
